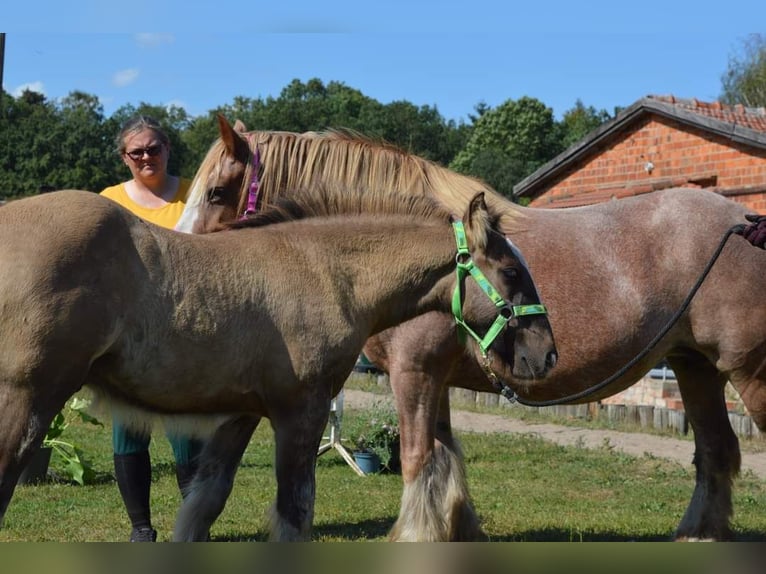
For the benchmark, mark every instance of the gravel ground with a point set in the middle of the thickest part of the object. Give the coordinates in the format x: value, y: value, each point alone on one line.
x: 636, y: 444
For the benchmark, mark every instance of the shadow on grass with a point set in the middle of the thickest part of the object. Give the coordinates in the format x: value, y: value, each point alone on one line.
x: 364, y: 530
x: 378, y: 530
x: 342, y: 531
x: 561, y: 535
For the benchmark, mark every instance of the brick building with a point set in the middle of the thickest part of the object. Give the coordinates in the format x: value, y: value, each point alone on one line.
x: 656, y: 143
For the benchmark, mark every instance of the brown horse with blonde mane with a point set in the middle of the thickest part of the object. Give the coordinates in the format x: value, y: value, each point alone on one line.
x: 612, y: 275
x: 220, y: 330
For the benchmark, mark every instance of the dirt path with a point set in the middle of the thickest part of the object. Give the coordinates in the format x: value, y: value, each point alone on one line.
x: 636, y: 444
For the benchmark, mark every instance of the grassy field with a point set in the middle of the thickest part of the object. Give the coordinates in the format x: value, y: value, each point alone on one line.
x: 525, y: 489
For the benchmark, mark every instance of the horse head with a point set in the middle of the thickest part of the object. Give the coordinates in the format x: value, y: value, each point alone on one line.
x: 495, y: 294
x: 217, y: 188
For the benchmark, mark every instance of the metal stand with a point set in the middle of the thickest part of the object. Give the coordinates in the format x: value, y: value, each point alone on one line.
x: 336, y: 414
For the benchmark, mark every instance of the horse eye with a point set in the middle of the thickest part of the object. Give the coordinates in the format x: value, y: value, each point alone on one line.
x: 215, y: 195
x: 511, y: 273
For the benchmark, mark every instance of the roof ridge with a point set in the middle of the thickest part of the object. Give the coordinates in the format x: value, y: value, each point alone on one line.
x: 699, y: 105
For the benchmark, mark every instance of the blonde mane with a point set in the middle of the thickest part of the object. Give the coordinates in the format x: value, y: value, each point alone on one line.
x: 296, y: 161
x: 326, y: 200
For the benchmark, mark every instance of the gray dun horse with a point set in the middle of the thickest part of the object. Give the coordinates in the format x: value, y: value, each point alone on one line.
x: 226, y: 328
x: 612, y: 275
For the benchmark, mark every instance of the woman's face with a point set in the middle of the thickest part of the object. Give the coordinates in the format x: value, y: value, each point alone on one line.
x: 145, y: 154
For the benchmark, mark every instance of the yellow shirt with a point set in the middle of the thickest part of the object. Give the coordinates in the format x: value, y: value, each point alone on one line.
x: 165, y: 216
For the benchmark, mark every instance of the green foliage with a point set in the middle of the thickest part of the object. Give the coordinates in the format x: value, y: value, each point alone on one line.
x: 509, y: 142
x: 26, y: 147
x: 744, y: 81
x: 375, y: 429
x: 76, y: 466
x: 197, y: 138
x: 580, y: 121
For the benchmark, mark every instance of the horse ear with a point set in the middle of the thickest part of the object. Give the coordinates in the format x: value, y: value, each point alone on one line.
x: 232, y: 140
x: 239, y: 126
x: 477, y: 222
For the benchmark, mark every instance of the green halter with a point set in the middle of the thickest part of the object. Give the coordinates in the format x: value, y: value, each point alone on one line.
x: 465, y: 266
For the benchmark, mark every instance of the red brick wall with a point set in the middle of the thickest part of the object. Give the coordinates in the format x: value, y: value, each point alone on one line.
x: 681, y: 156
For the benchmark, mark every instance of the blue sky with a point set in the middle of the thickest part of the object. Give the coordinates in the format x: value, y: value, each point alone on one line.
x: 445, y: 54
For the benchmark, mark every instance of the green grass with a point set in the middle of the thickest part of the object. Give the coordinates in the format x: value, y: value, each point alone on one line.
x: 524, y: 488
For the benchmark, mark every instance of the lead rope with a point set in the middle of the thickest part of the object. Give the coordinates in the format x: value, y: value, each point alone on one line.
x: 735, y: 230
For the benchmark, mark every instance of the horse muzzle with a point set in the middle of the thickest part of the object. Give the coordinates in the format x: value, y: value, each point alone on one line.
x: 529, y: 351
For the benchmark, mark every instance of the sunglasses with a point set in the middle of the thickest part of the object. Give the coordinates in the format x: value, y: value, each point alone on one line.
x: 151, y: 151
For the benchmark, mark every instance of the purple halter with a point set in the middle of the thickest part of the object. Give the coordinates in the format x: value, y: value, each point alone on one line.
x: 252, y: 194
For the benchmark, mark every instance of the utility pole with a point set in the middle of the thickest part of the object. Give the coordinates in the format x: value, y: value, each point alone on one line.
x: 2, y: 61
x: 2, y: 56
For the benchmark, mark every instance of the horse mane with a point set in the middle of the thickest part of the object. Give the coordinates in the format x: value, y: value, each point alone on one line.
x: 325, y: 200
x: 292, y: 160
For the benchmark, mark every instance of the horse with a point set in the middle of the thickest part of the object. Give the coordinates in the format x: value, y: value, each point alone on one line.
x: 612, y: 275
x: 214, y: 332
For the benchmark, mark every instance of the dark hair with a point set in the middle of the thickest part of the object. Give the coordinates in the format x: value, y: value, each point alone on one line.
x: 137, y: 124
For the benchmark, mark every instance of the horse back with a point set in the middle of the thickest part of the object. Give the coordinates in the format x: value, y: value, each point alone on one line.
x: 71, y: 270
x: 613, y: 274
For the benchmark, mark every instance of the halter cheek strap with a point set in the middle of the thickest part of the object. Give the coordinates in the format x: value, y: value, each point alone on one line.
x: 465, y: 267
x: 253, y: 189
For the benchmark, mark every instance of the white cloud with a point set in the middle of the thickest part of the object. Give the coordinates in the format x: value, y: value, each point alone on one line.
x: 125, y: 77
x: 154, y: 39
x: 31, y: 86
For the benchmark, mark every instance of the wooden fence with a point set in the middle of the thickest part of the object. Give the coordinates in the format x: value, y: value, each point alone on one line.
x: 643, y: 416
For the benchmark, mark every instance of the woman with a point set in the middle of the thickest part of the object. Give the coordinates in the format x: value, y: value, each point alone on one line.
x: 158, y: 197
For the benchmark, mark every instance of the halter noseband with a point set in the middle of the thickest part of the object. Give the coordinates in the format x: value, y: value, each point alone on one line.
x: 254, y: 187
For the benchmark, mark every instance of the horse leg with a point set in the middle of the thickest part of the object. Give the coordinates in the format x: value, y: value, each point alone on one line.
x: 463, y: 522
x: 435, y: 503
x: 26, y: 412
x: 716, y: 456
x: 417, y: 399
x: 297, y: 435
x: 20, y: 435
x: 212, y: 483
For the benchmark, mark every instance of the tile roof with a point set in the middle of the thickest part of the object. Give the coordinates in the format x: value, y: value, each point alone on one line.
x: 753, y: 118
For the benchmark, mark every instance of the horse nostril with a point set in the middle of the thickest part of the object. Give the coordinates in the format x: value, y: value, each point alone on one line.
x: 550, y: 359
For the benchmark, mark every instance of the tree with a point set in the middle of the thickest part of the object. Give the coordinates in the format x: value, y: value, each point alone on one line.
x: 744, y: 81
x: 418, y: 130
x: 198, y: 137
x: 579, y: 121
x: 83, y: 153
x: 509, y: 142
x: 310, y: 107
x: 27, y: 144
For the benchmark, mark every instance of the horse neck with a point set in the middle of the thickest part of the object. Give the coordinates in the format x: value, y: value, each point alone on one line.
x: 421, y: 280
x: 390, y: 273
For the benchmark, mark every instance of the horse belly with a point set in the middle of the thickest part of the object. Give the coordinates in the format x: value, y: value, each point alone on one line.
x: 175, y: 387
